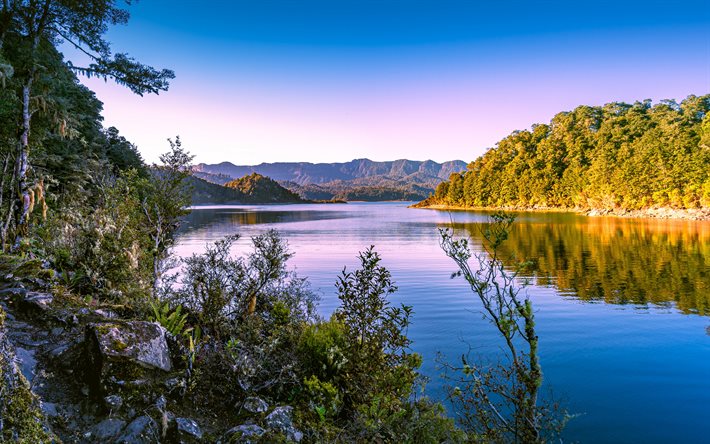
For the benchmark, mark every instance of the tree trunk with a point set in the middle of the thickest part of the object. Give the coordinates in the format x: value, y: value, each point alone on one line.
x: 252, y: 305
x: 22, y: 164
x: 10, y: 213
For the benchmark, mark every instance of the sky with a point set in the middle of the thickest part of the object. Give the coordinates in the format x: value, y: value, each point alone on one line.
x: 334, y: 80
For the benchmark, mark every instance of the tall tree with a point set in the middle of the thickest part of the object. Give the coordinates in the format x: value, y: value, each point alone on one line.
x: 166, y: 198
x: 36, y: 28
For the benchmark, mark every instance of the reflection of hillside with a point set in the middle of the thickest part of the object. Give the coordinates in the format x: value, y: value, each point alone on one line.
x: 202, y: 218
x: 619, y: 260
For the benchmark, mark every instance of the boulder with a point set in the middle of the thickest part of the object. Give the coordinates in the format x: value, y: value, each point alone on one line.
x: 246, y: 434
x: 141, y: 430
x: 184, y: 431
x: 255, y: 405
x: 113, y: 403
x: 281, y: 420
x: 105, y: 430
x: 116, y: 352
x: 33, y: 303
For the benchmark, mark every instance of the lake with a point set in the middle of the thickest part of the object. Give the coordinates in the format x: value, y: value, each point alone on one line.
x: 621, y: 304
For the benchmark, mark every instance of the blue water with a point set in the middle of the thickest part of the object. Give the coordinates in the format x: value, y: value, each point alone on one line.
x: 621, y: 304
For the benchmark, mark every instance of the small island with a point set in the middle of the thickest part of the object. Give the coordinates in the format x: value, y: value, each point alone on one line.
x: 251, y: 189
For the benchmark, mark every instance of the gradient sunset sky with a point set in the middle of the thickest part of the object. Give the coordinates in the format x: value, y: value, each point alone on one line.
x: 326, y: 81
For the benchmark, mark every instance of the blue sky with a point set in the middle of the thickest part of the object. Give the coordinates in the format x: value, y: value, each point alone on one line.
x: 335, y: 80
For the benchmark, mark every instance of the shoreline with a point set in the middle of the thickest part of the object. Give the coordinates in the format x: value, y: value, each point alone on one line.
x: 694, y: 214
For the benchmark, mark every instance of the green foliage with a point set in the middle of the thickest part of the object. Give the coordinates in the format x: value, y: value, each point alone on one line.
x: 378, y: 354
x: 323, y: 397
x: 617, y: 156
x: 165, y: 198
x: 322, y: 349
x: 173, y: 320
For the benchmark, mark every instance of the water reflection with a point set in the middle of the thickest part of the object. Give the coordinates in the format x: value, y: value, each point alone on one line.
x: 203, y: 217
x: 616, y: 260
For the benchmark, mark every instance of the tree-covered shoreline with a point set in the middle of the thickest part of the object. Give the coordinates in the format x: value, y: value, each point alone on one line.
x: 622, y: 159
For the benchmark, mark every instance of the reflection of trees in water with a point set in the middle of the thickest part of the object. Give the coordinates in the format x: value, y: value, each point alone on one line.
x: 203, y: 218
x: 618, y: 260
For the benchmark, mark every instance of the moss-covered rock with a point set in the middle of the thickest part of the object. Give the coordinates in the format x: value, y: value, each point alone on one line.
x: 21, y: 419
x: 121, y: 354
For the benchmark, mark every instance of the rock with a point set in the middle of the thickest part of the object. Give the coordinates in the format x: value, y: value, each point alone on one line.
x: 28, y: 362
x: 34, y: 303
x: 125, y: 351
x: 49, y: 409
x: 707, y: 330
x: 281, y: 420
x: 255, y: 405
x: 141, y: 430
x: 161, y: 403
x: 107, y: 314
x: 184, y: 431
x: 174, y: 383
x: 113, y: 402
x: 105, y: 430
x: 13, y: 292
x: 247, y: 433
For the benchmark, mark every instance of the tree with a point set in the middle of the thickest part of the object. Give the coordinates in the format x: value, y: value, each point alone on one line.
x: 166, y: 198
x: 35, y: 28
x: 379, y: 360
x: 499, y: 403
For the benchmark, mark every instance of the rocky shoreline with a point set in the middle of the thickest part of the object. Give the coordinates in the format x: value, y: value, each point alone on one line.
x: 698, y: 214
x: 71, y: 373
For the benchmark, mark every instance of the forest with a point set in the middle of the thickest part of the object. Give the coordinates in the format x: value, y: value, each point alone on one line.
x: 617, y: 156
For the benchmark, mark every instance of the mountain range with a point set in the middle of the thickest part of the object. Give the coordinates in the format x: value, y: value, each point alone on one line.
x: 359, y: 179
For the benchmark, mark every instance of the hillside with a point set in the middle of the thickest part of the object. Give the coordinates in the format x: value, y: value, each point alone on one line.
x: 360, y: 179
x: 616, y: 158
x: 250, y: 189
x: 257, y: 188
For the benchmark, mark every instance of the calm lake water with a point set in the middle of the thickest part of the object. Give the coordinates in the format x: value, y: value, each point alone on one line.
x: 622, y: 305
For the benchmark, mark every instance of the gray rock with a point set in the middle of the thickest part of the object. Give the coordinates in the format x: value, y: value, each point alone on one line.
x: 174, y: 383
x: 246, y: 434
x: 134, y: 351
x: 13, y: 292
x: 108, y: 314
x: 281, y: 419
x: 106, y: 430
x: 27, y: 362
x: 34, y: 302
x: 255, y: 405
x: 161, y: 403
x: 184, y: 431
x: 113, y: 402
x: 141, y: 430
x: 137, y: 341
x: 49, y: 409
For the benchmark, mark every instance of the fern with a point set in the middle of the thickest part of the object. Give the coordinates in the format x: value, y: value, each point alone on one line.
x: 173, y: 322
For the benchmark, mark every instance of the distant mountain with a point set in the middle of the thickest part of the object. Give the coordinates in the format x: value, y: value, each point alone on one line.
x: 360, y: 179
x: 304, y: 173
x: 251, y: 189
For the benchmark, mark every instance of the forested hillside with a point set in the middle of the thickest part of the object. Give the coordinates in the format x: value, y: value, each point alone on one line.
x: 259, y: 189
x: 253, y: 189
x: 415, y: 186
x: 616, y: 156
